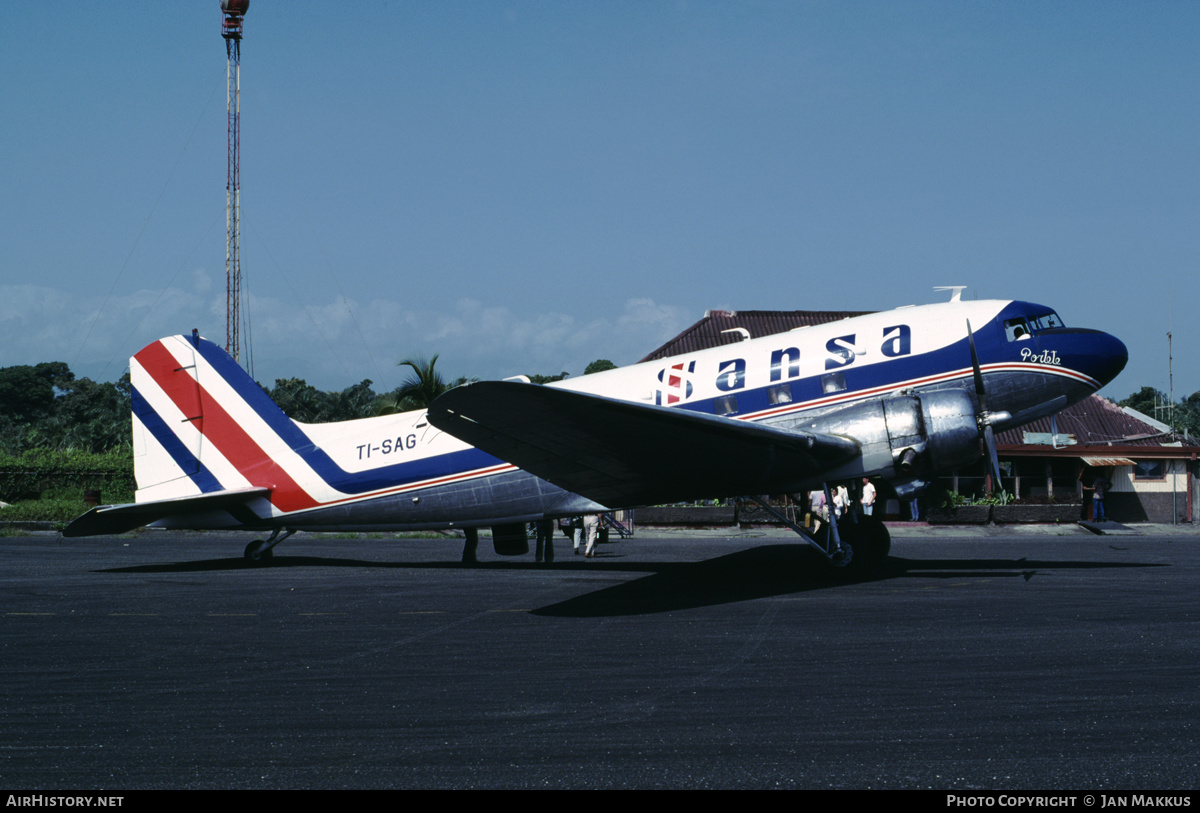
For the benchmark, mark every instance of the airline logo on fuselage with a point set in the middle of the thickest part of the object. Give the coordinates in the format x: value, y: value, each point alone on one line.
x: 840, y: 352
x: 676, y: 383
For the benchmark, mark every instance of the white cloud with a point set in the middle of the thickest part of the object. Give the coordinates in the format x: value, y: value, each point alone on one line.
x: 331, y: 345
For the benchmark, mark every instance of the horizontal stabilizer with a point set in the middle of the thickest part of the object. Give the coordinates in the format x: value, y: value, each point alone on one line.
x: 621, y: 453
x: 116, y: 519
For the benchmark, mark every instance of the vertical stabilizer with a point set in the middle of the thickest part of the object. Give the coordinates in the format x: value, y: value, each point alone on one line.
x: 187, y: 394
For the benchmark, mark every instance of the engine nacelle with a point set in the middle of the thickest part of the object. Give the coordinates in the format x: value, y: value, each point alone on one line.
x: 904, y: 438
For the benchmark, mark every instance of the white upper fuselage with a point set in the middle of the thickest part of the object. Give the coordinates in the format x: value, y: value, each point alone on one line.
x: 872, y: 340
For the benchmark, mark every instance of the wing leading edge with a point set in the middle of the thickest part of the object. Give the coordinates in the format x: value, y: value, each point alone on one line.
x: 620, y: 453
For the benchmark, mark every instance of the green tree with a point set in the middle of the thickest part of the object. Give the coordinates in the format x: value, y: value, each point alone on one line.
x: 419, y: 390
x: 1145, y: 400
x: 599, y: 366
x: 27, y: 393
x: 355, y: 402
x: 303, y: 402
x: 423, y: 385
x: 546, y: 379
x: 1187, y: 415
x: 45, y: 407
x: 298, y: 399
x: 91, y: 416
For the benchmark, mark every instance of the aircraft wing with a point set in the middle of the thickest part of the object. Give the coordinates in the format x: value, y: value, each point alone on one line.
x: 117, y: 519
x: 621, y: 453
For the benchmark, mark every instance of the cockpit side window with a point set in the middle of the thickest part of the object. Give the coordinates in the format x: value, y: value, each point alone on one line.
x: 1016, y: 329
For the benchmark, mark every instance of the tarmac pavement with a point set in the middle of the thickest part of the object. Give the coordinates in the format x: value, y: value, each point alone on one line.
x: 1026, y: 657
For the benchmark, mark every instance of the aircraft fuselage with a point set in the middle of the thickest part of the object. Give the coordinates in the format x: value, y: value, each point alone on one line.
x: 201, y: 426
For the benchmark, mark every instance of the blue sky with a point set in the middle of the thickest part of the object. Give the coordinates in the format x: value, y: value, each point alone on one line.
x: 524, y: 187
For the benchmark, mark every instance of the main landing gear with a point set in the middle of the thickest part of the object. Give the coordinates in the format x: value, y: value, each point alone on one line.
x: 853, y: 547
x: 260, y: 551
x: 869, y: 543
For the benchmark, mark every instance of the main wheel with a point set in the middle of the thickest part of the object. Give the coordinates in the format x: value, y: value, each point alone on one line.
x: 258, y: 553
x: 869, y: 543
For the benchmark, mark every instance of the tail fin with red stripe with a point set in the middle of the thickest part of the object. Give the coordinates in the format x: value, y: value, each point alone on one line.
x: 191, y: 459
x: 200, y: 423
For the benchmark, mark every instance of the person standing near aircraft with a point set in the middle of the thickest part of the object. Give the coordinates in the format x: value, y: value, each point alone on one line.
x: 1099, y: 488
x: 589, y: 529
x: 868, y: 497
x: 819, y: 510
x: 544, y: 550
x: 573, y: 527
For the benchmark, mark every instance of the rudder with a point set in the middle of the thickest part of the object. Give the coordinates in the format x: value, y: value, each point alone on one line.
x: 185, y: 389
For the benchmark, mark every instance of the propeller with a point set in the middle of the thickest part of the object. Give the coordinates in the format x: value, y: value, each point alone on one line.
x: 985, y: 418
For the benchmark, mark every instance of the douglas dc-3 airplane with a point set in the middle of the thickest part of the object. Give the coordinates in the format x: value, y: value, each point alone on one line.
x: 899, y: 395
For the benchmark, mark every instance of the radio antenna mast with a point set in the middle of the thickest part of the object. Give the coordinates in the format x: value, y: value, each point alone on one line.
x: 232, y: 12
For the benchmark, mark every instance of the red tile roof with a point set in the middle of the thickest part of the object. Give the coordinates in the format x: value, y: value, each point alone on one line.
x: 708, y: 331
x: 1099, y: 427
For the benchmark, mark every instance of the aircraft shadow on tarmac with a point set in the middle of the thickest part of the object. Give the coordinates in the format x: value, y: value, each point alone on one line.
x: 775, y: 570
x: 754, y: 573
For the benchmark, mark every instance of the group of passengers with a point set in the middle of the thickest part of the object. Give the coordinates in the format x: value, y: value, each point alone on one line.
x: 838, y: 501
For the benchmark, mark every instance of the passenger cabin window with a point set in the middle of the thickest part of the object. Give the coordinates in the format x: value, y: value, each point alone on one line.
x: 834, y: 382
x: 780, y: 394
x: 725, y: 405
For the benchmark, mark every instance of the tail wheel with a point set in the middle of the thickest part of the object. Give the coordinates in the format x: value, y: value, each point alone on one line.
x: 258, y: 553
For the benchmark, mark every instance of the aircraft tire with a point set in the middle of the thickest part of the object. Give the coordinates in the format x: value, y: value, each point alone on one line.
x: 256, y: 555
x: 870, y: 544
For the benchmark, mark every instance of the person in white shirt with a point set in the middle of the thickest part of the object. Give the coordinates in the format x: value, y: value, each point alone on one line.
x: 868, y: 497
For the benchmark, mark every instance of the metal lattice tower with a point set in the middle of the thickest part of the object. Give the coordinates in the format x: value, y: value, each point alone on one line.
x: 231, y: 29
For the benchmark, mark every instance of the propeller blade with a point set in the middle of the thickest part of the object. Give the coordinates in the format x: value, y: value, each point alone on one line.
x: 984, y: 418
x: 1003, y: 420
x: 989, y: 440
x: 980, y: 392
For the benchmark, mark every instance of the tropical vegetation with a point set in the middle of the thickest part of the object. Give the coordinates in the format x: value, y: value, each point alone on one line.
x: 61, y: 436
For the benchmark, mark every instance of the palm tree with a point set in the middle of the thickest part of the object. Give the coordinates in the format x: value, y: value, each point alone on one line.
x: 423, y: 385
x: 418, y: 390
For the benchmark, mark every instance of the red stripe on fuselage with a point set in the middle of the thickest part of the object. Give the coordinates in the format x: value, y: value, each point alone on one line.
x: 220, y: 429
x: 856, y: 395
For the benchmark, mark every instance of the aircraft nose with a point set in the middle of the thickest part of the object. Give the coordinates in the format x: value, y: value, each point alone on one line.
x: 1107, y: 356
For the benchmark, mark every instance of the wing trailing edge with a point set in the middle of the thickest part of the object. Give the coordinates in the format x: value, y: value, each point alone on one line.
x: 623, y: 454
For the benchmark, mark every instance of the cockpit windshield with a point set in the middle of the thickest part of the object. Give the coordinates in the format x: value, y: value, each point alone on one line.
x: 1046, y: 320
x: 1020, y: 327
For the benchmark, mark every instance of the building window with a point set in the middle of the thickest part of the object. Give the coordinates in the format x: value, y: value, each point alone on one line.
x: 1149, y: 470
